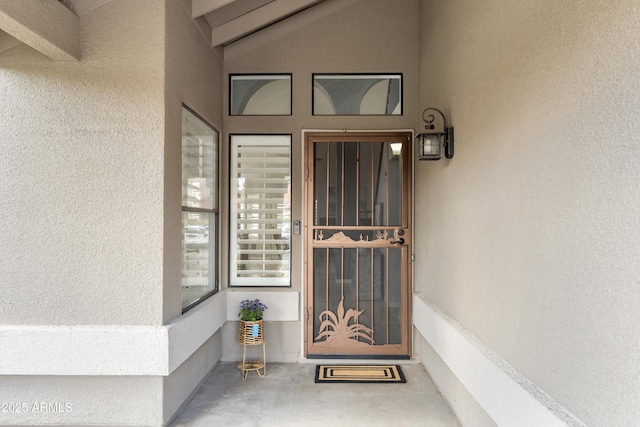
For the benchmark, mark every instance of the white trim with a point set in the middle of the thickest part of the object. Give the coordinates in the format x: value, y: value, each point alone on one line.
x: 507, y: 396
x: 191, y: 330
x: 130, y: 350
x: 281, y: 306
x: 83, y: 350
x: 109, y: 350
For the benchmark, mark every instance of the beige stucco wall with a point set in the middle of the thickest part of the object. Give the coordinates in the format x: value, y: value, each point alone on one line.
x: 530, y: 235
x: 343, y: 36
x: 81, y: 238
x: 193, y: 78
x: 91, y: 150
x: 82, y: 152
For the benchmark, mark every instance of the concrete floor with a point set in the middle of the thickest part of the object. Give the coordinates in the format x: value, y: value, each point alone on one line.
x: 287, y: 396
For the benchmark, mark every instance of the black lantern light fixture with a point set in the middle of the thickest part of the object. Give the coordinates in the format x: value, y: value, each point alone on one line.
x: 430, y: 142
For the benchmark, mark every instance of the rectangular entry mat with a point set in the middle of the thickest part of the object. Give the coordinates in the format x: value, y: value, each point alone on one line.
x: 359, y: 374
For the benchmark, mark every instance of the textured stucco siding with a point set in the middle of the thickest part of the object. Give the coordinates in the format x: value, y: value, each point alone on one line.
x: 530, y: 235
x: 82, y: 401
x: 193, y: 78
x: 81, y: 241
x: 82, y: 150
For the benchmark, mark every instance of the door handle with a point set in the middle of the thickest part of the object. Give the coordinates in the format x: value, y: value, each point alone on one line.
x: 400, y: 241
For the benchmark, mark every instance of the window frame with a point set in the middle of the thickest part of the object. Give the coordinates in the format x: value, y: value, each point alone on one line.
x: 232, y: 280
x: 213, y: 213
x: 400, y: 76
x: 258, y: 76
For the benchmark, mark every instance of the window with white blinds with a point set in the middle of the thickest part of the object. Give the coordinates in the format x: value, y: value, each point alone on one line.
x: 260, y: 210
x: 199, y: 209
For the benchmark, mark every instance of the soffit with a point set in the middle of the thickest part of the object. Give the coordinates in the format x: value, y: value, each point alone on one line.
x: 227, y: 20
x: 231, y: 20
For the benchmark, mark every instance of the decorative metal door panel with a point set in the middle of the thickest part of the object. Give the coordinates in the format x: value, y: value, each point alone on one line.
x: 358, y: 244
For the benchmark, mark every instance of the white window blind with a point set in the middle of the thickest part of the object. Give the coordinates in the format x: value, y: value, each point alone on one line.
x: 260, y: 210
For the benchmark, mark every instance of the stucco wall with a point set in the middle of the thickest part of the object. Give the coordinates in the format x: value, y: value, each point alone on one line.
x: 82, y: 152
x: 345, y: 36
x: 530, y: 235
x: 92, y: 235
x: 193, y: 77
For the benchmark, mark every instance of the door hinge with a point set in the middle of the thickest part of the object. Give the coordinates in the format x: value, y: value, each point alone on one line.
x: 307, y: 171
x: 306, y: 315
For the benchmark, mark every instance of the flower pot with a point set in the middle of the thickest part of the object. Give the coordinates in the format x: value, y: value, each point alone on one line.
x: 251, y: 332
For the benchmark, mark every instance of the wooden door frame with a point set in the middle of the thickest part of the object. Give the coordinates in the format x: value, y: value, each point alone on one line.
x: 405, y: 136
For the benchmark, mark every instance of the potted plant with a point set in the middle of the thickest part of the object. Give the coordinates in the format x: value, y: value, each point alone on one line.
x: 251, y: 310
x: 251, y: 323
x: 251, y: 332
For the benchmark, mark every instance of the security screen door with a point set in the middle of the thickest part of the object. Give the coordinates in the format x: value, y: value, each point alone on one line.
x: 358, y: 235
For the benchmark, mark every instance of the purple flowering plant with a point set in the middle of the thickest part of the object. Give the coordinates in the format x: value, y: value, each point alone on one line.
x: 251, y: 310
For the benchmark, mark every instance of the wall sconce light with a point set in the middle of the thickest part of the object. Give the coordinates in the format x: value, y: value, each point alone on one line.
x: 430, y: 141
x: 396, y: 149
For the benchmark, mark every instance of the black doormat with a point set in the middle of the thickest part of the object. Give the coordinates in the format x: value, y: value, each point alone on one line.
x: 359, y: 374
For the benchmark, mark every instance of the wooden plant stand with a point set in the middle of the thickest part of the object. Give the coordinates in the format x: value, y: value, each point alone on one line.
x: 252, y: 333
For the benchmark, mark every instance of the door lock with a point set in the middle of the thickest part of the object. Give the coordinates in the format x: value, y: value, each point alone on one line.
x: 400, y: 241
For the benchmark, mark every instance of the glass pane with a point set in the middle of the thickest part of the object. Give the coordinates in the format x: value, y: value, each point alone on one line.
x: 199, y: 162
x: 365, y: 181
x: 260, y: 95
x: 379, y: 283
x: 365, y: 286
x: 335, y: 184
x: 394, y: 288
x: 198, y: 266
x: 380, y: 204
x: 321, y: 187
x: 334, y: 282
x: 350, y: 278
x: 395, y: 187
x: 350, y: 213
x: 357, y: 94
x: 260, y: 210
x: 320, y: 259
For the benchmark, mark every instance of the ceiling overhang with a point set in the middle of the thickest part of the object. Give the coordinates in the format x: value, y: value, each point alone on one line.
x: 231, y: 20
x: 47, y: 26
x: 52, y: 26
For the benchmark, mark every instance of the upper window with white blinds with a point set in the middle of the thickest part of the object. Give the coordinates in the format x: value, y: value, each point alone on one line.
x: 260, y: 210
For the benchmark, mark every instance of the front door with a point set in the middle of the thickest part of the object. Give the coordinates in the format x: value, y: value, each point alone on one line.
x: 358, y: 244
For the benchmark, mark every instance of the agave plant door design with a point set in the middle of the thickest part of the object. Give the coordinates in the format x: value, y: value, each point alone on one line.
x: 358, y: 236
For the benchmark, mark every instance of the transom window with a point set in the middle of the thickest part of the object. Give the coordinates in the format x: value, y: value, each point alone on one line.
x: 259, y: 94
x: 357, y: 94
